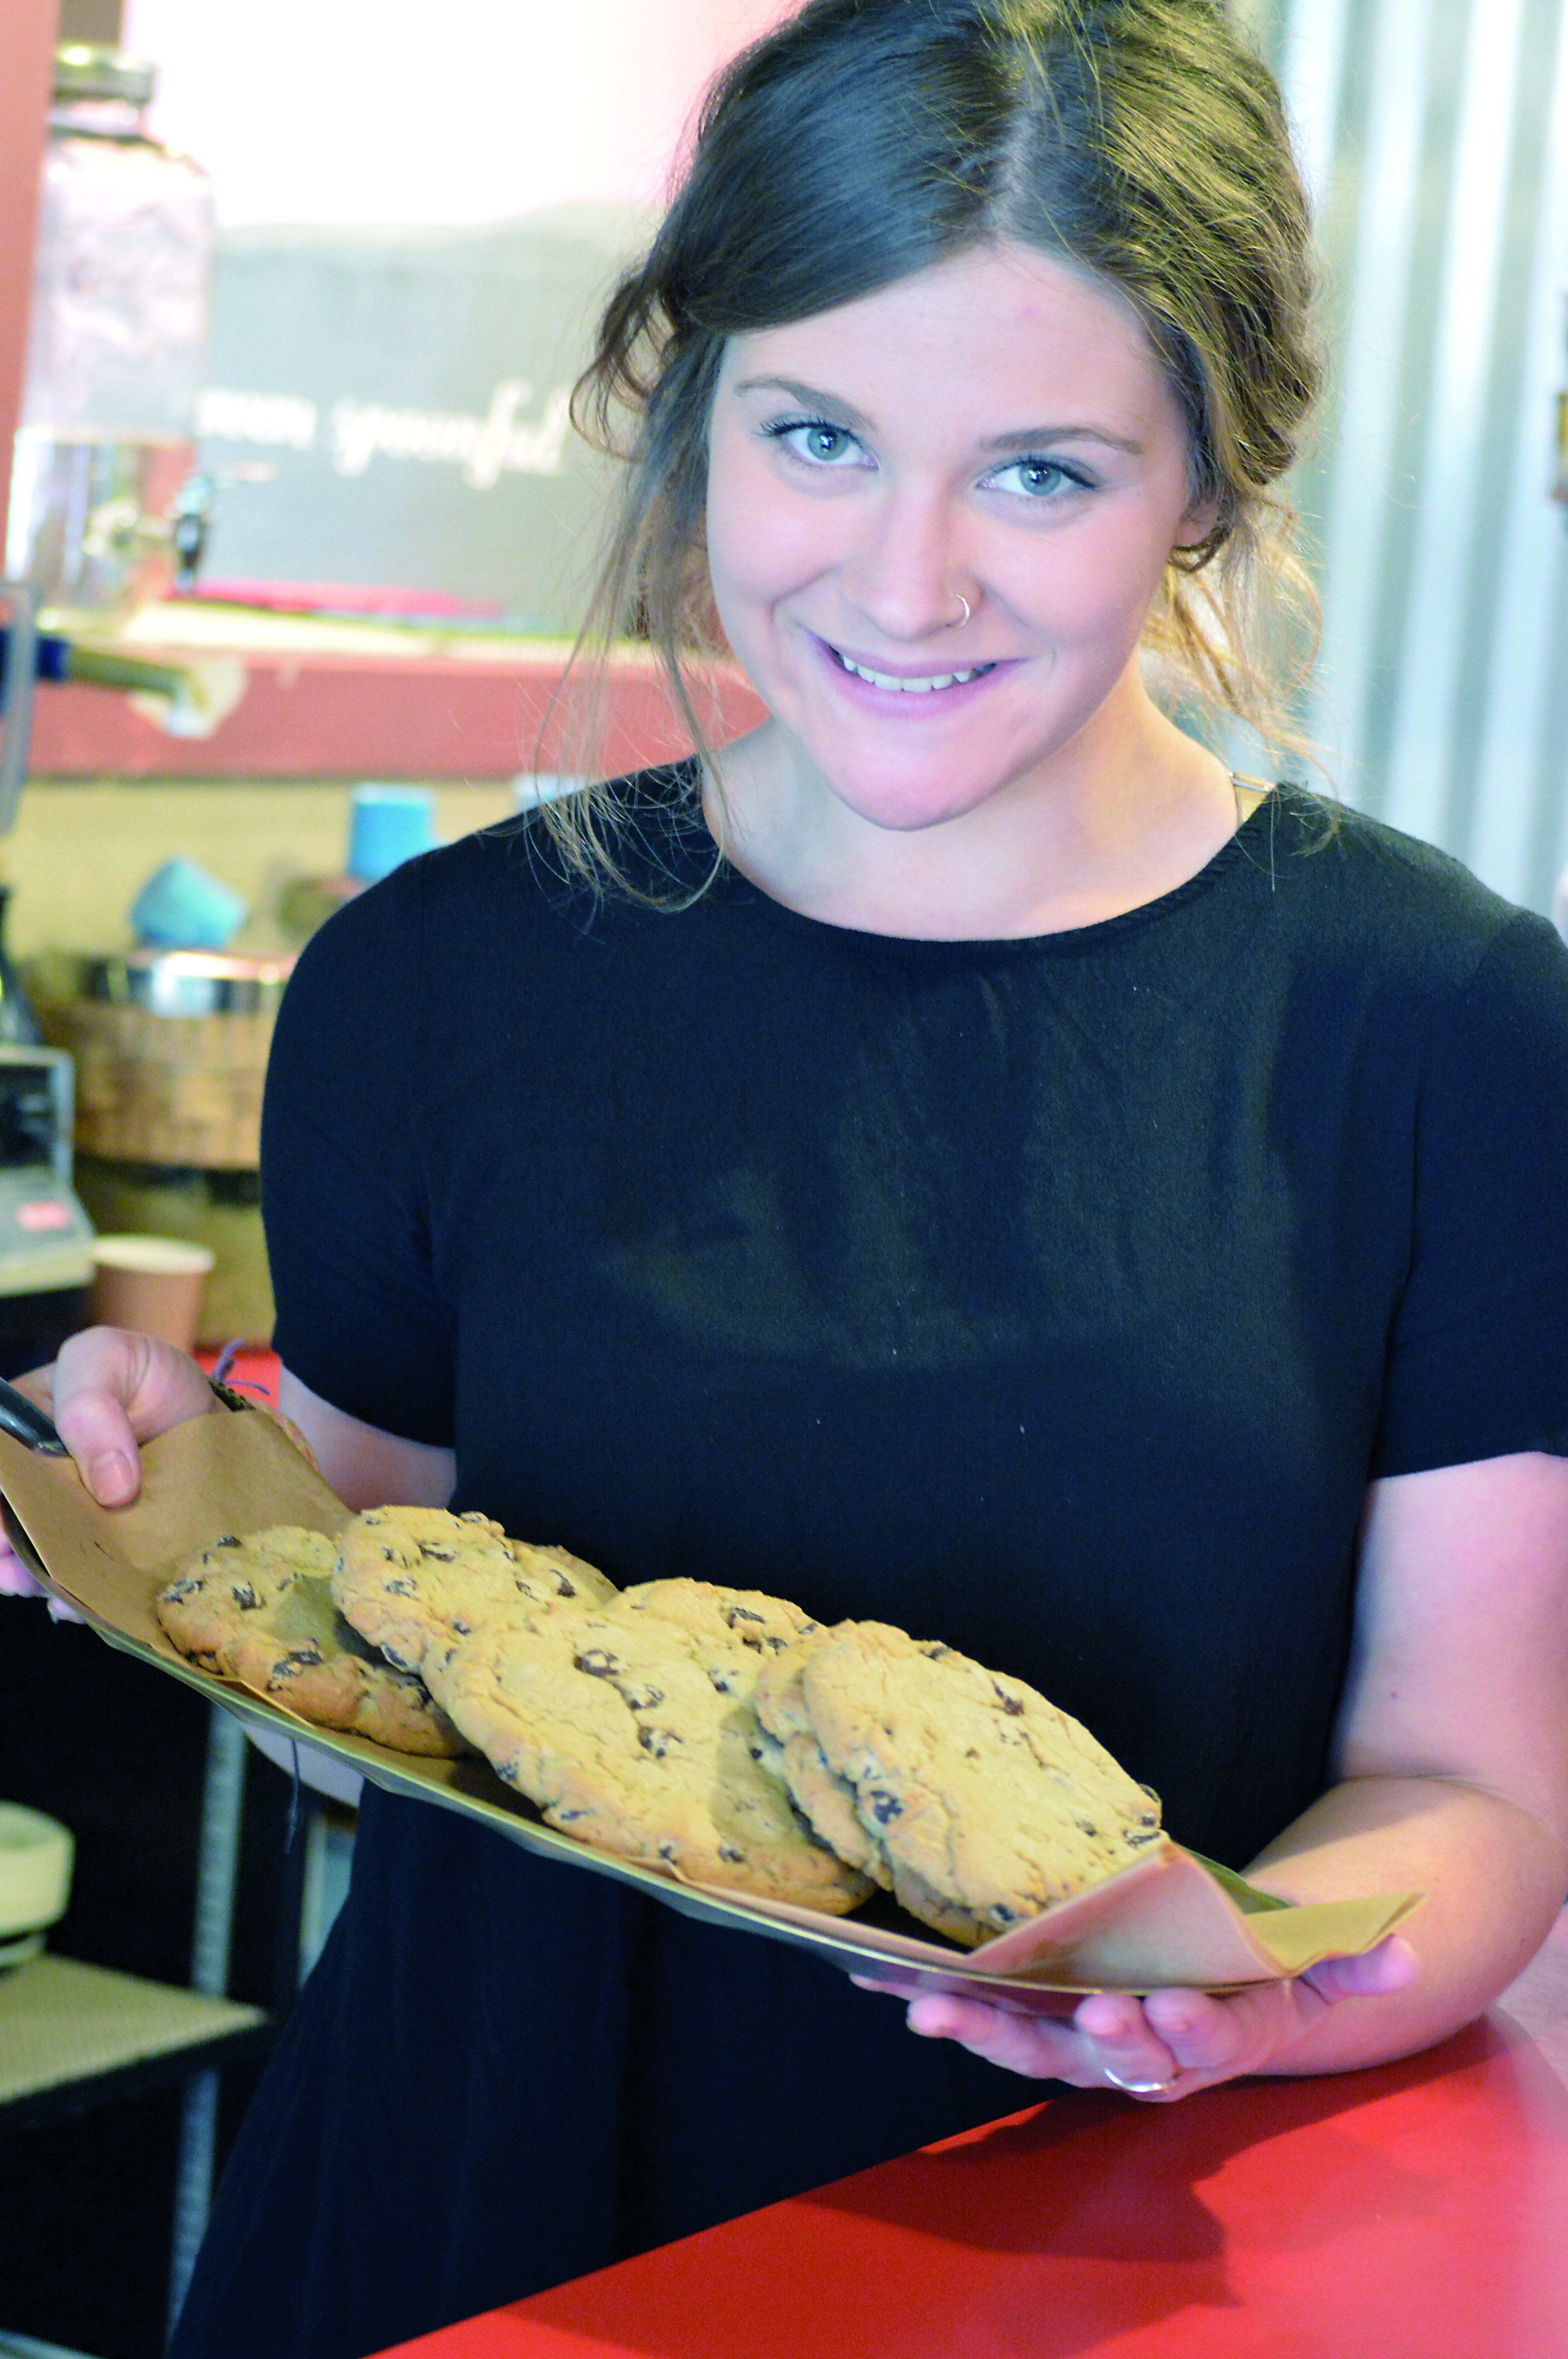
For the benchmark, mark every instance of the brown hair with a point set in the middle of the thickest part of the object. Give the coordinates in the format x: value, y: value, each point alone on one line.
x: 863, y: 140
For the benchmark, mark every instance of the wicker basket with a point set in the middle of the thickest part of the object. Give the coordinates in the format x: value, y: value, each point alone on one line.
x: 170, y: 1054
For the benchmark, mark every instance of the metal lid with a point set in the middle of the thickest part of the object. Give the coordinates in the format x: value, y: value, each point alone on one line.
x: 185, y: 983
x: 82, y: 70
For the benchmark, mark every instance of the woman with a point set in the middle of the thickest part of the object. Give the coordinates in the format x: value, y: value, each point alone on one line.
x: 976, y: 1165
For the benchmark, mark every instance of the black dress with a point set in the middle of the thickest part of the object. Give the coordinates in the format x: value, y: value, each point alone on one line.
x: 1058, y: 1297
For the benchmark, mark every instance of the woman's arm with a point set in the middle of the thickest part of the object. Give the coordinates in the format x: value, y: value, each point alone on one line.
x: 1452, y: 1748
x: 366, y: 1467
x: 1451, y: 1758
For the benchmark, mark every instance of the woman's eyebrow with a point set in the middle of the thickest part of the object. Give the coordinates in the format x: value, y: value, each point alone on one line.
x: 810, y: 396
x: 1032, y: 438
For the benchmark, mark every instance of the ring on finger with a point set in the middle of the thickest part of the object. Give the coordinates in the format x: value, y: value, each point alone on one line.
x: 1134, y: 2088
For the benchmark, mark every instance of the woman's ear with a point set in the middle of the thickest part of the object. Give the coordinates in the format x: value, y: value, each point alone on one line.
x: 1198, y: 522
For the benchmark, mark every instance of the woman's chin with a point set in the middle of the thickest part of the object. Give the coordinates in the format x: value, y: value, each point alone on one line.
x: 904, y: 805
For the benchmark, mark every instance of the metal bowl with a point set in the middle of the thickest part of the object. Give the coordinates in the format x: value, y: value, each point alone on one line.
x: 185, y: 983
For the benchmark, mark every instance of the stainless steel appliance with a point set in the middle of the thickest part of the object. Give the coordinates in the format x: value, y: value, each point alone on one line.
x: 46, y: 1238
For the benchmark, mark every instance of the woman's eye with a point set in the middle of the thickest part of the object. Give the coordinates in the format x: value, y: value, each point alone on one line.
x: 812, y: 439
x: 1038, y: 478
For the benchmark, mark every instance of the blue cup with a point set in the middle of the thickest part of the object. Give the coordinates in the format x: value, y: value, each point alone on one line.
x: 181, y: 908
x: 388, y: 825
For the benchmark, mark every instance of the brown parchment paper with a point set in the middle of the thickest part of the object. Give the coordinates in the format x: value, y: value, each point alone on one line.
x: 1167, y: 1921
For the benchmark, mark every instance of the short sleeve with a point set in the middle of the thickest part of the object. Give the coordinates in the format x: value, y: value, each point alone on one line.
x: 1478, y: 1362
x: 343, y: 1190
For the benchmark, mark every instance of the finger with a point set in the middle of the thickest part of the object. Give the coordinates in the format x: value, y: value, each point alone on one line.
x: 1391, y: 1966
x: 1203, y: 2034
x: 15, y: 1581
x: 1122, y: 2044
x: 111, y: 1387
x: 94, y: 1428
x: 1109, y: 2015
x: 1034, y: 2046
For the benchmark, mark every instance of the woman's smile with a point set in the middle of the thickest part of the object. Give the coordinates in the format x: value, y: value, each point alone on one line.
x: 877, y: 684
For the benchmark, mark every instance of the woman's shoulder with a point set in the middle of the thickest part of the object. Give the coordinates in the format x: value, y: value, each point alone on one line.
x: 1405, y: 912
x: 497, y: 888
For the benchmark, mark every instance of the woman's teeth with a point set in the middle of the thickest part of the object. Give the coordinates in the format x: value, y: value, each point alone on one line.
x: 913, y: 687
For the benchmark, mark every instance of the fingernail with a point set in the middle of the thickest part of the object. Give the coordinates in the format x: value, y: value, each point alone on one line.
x: 111, y: 1477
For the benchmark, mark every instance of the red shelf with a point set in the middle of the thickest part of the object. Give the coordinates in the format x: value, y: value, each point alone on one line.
x: 370, y: 716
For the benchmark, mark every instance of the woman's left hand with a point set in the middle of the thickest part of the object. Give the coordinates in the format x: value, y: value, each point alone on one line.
x: 1169, y: 2044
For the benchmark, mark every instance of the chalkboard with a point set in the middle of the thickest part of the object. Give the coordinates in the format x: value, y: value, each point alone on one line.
x: 410, y: 388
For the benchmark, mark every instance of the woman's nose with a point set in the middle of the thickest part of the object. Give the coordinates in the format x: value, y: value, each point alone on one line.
x: 907, y: 575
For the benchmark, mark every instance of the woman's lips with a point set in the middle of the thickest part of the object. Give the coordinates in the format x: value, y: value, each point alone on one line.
x: 919, y: 695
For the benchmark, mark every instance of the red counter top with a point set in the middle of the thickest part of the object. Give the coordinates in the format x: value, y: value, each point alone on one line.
x: 1416, y: 2212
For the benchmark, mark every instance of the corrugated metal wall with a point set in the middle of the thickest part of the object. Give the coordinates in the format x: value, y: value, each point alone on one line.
x: 1435, y: 135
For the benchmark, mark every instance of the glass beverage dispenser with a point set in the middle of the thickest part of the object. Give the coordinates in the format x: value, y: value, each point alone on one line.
x: 117, y: 348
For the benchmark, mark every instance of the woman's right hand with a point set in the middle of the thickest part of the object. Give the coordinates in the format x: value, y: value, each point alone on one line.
x: 108, y: 1392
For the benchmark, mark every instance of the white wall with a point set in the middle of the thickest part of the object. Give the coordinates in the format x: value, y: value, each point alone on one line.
x: 340, y: 112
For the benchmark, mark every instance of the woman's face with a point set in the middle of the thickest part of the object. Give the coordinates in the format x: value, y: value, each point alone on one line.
x: 995, y: 430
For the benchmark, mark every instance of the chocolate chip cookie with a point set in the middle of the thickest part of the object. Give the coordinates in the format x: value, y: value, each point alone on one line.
x: 260, y: 1611
x: 634, y: 1732
x: 414, y: 1581
x: 827, y: 1800
x: 989, y: 1802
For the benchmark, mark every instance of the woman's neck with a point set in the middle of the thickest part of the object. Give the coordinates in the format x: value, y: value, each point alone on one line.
x: 1122, y: 817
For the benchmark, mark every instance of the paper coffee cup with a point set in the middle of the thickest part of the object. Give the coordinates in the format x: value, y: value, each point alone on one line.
x: 151, y: 1284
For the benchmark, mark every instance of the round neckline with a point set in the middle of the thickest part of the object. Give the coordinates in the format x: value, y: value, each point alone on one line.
x: 1062, y: 940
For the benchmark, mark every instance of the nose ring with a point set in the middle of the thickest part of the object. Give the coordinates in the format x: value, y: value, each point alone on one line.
x: 963, y: 617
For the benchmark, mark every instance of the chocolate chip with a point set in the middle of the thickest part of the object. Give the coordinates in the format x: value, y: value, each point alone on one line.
x: 464, y: 1630
x: 440, y: 1555
x: 657, y: 1741
x: 179, y: 1589
x: 228, y: 1541
x: 1010, y: 1704
x: 670, y: 1850
x: 638, y: 1699
x: 1001, y: 1914
x: 400, y: 1588
x: 598, y: 1662
x: 297, y: 1659
x: 244, y: 1595
x: 389, y: 1553
x: 885, y: 1806
x: 1086, y: 1826
x: 729, y: 1852
x: 723, y: 1680
x: 564, y: 1818
x: 733, y: 1614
